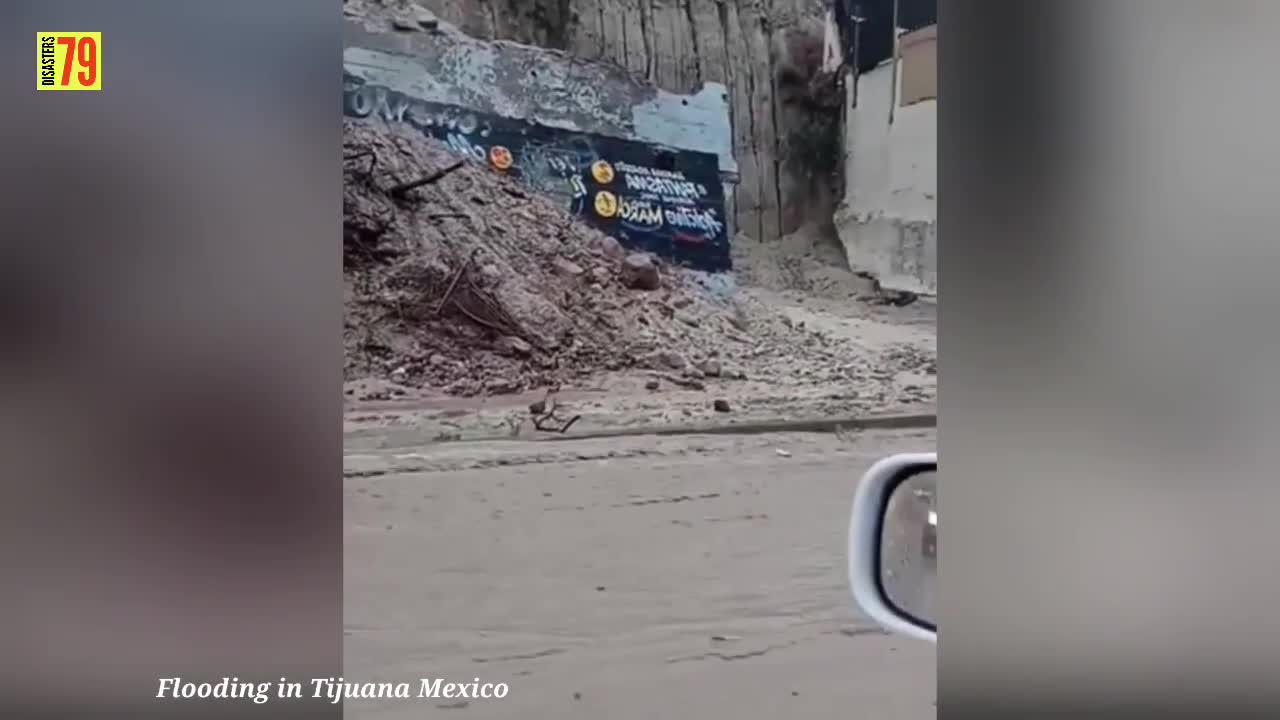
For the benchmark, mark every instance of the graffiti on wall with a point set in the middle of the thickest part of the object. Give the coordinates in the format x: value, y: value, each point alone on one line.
x: 668, y: 202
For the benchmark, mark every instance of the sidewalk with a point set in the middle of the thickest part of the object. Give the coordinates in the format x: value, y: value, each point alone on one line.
x: 392, y: 424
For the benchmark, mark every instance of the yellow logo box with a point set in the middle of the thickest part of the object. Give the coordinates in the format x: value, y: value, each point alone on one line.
x: 69, y: 61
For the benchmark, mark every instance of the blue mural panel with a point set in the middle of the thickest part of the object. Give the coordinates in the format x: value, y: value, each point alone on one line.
x: 668, y: 202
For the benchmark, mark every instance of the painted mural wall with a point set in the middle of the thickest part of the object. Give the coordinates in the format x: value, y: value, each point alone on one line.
x: 667, y: 201
x: 550, y: 119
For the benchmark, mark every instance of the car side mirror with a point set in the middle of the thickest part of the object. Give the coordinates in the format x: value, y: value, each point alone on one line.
x: 893, y: 544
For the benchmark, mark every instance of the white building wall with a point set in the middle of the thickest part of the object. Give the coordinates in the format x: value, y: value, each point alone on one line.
x: 888, y: 219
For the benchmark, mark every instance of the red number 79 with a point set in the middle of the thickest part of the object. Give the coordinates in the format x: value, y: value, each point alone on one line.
x: 85, y: 52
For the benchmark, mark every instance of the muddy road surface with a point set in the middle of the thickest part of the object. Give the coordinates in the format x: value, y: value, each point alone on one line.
x: 625, y: 578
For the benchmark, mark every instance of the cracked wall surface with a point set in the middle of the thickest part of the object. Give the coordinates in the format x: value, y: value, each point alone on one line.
x: 679, y: 45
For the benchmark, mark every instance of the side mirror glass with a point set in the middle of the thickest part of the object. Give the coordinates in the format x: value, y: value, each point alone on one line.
x: 893, y: 544
x: 909, y: 548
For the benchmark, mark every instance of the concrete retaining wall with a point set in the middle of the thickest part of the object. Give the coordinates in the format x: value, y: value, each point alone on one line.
x: 888, y: 219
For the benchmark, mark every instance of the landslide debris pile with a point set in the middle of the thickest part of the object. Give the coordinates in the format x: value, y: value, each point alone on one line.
x: 468, y: 283
x: 460, y: 280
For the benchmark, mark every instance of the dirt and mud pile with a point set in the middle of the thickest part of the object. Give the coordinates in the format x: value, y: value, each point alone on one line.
x: 809, y: 260
x: 460, y: 280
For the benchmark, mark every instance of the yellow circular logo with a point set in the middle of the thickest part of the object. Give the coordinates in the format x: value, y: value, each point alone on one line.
x: 602, y: 172
x: 500, y: 157
x: 606, y: 204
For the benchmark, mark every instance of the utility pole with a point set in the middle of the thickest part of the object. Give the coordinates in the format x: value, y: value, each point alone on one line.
x: 847, y: 117
x: 893, y: 88
x: 857, y: 18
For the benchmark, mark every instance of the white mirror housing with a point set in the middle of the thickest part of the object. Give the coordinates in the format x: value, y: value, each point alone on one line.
x: 866, y: 527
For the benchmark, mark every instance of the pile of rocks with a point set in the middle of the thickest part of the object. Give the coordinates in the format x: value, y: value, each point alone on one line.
x: 471, y: 284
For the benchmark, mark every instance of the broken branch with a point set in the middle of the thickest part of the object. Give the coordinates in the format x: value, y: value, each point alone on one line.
x: 541, y: 423
x: 373, y: 160
x: 454, y: 284
x: 400, y: 191
x: 481, y: 321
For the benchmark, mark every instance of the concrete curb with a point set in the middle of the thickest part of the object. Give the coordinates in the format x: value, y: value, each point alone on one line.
x: 760, y: 427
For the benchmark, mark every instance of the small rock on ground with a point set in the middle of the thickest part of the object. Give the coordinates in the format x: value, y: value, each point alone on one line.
x: 639, y: 272
x: 710, y: 367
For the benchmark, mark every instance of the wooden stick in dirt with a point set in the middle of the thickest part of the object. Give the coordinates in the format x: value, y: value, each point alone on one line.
x: 373, y: 159
x: 400, y: 191
x: 682, y: 382
x: 454, y: 284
